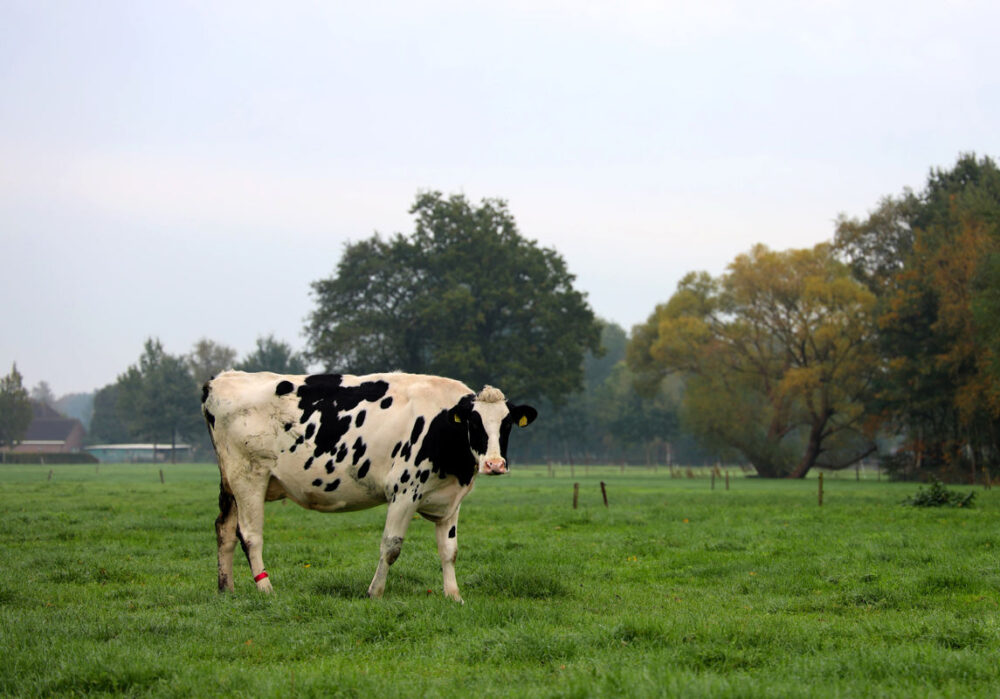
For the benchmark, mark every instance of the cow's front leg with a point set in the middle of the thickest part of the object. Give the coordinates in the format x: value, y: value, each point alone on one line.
x: 396, y: 521
x: 446, y: 531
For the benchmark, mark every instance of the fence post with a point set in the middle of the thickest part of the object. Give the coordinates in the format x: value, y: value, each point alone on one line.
x: 50, y: 474
x: 727, y: 480
x: 821, y: 489
x: 713, y: 479
x: 576, y: 494
x: 161, y: 475
x: 604, y: 494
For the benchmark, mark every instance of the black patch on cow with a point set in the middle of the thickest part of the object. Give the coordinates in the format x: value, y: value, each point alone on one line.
x: 395, y: 449
x: 414, y: 496
x: 307, y: 464
x: 360, y: 419
x: 300, y: 439
x: 406, y: 452
x: 423, y: 475
x: 329, y: 466
x: 326, y: 394
x: 363, y: 471
x: 342, y: 453
x: 505, y: 427
x: 405, y: 477
x: 478, y: 439
x: 359, y: 450
x: 292, y: 448
x: 318, y: 482
x: 418, y: 427
x: 385, y: 403
x: 451, y: 532
x: 210, y: 418
x: 310, y: 430
x: 283, y: 388
x: 446, y: 446
x: 204, y: 392
x: 288, y: 426
x: 330, y: 487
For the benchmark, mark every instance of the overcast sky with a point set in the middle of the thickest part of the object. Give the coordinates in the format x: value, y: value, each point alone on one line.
x: 186, y: 169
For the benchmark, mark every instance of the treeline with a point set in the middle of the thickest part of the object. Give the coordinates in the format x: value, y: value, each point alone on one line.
x: 880, y: 343
x: 883, y: 341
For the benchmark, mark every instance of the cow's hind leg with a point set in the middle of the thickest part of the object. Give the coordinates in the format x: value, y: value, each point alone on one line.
x: 396, y: 521
x: 250, y: 531
x: 225, y: 534
x: 446, y: 532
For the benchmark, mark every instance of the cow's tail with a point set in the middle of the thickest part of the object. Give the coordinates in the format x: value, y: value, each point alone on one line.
x: 206, y: 395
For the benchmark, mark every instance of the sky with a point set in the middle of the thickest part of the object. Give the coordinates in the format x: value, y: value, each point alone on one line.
x: 184, y: 170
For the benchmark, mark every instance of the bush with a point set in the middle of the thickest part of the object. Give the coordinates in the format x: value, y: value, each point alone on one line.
x: 936, y: 495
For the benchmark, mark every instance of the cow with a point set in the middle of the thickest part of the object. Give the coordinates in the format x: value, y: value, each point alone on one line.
x: 339, y: 443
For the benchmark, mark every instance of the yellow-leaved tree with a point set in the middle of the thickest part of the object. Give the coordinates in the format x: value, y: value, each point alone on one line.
x: 778, y: 357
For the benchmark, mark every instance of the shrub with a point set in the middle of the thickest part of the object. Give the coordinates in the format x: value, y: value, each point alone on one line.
x: 936, y: 495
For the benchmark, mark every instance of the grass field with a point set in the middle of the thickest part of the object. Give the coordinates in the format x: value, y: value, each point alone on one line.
x: 107, y: 586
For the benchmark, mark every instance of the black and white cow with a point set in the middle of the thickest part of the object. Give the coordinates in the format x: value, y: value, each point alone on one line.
x: 338, y: 443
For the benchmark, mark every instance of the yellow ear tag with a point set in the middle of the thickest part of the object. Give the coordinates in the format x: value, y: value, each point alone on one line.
x: 457, y: 418
x: 523, y: 422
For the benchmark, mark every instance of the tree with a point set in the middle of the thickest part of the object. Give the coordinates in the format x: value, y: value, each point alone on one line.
x: 158, y: 398
x: 107, y: 425
x: 15, y: 409
x: 936, y: 316
x: 778, y: 355
x: 42, y: 393
x: 464, y: 296
x: 271, y: 354
x: 208, y: 358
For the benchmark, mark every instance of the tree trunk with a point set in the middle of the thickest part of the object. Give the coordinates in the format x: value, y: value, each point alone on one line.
x: 813, y: 448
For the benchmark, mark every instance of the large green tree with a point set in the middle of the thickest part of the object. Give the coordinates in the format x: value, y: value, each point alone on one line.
x: 465, y: 295
x: 158, y: 398
x: 271, y: 354
x: 778, y: 356
x: 15, y: 408
x: 107, y: 426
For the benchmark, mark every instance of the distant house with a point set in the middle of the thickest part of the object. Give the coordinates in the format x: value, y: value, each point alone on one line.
x: 51, y: 433
x: 138, y: 453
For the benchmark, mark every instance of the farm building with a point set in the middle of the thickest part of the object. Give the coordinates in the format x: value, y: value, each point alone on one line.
x: 50, y: 433
x: 139, y: 453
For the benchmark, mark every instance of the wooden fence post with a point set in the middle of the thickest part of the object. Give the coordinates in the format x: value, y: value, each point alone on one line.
x: 576, y: 494
x: 604, y: 494
x: 50, y: 474
x: 727, y: 480
x: 821, y: 489
x: 161, y: 475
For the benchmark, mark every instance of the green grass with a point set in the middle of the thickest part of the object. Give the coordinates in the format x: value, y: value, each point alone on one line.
x: 107, y: 586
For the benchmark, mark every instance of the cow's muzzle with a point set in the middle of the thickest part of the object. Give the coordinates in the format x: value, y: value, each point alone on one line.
x: 494, y: 467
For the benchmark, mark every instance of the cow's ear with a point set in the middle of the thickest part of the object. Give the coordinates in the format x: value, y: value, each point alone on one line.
x: 463, y: 411
x: 522, y: 415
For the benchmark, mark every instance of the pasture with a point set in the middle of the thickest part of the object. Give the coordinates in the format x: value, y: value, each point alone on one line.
x: 107, y: 586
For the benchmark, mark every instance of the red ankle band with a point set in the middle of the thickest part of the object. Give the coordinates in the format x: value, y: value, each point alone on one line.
x: 258, y: 578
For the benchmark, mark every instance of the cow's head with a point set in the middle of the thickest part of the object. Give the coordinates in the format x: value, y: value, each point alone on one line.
x: 489, y: 418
